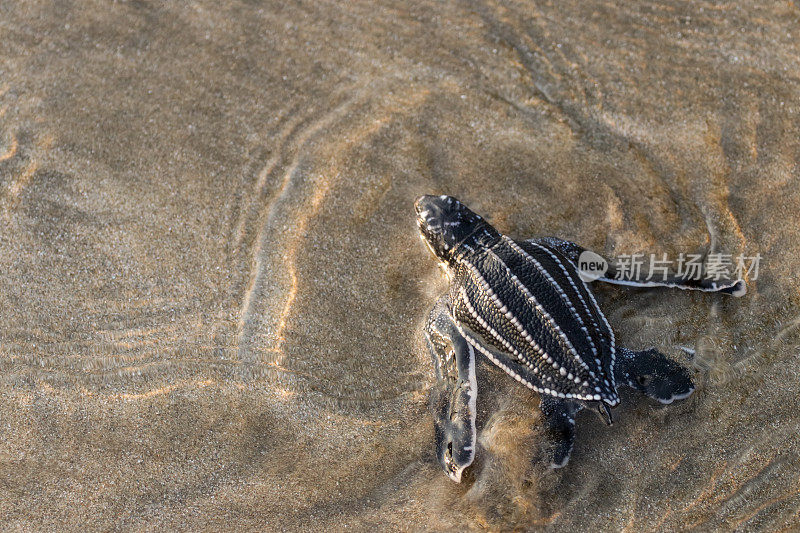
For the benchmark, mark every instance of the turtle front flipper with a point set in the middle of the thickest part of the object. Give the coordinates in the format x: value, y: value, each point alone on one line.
x: 621, y: 273
x: 559, y: 417
x: 455, y: 394
x: 653, y: 374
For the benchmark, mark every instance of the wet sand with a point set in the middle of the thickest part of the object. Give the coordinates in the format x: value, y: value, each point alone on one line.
x: 213, y: 290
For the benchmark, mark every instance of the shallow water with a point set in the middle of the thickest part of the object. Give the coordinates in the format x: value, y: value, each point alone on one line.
x: 213, y: 290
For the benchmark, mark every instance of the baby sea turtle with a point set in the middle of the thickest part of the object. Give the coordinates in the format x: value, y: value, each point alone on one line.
x: 524, y: 305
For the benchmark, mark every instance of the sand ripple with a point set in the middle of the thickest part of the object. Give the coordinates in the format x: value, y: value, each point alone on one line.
x: 213, y: 289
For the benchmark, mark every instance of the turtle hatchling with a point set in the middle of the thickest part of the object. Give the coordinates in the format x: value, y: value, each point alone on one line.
x: 525, y: 306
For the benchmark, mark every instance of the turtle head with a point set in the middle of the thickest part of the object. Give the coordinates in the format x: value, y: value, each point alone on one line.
x: 444, y: 223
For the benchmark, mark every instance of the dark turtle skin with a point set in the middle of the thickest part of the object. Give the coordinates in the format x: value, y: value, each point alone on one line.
x: 524, y: 306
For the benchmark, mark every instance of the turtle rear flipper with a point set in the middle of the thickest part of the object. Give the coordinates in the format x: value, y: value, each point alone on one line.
x: 559, y: 415
x: 653, y: 374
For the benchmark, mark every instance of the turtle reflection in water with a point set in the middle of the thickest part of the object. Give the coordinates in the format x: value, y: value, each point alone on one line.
x: 524, y: 305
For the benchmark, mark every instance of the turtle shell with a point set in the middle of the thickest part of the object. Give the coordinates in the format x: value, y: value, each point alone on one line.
x: 524, y: 306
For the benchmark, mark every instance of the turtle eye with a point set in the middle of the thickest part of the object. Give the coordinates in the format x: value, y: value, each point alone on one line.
x: 644, y: 380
